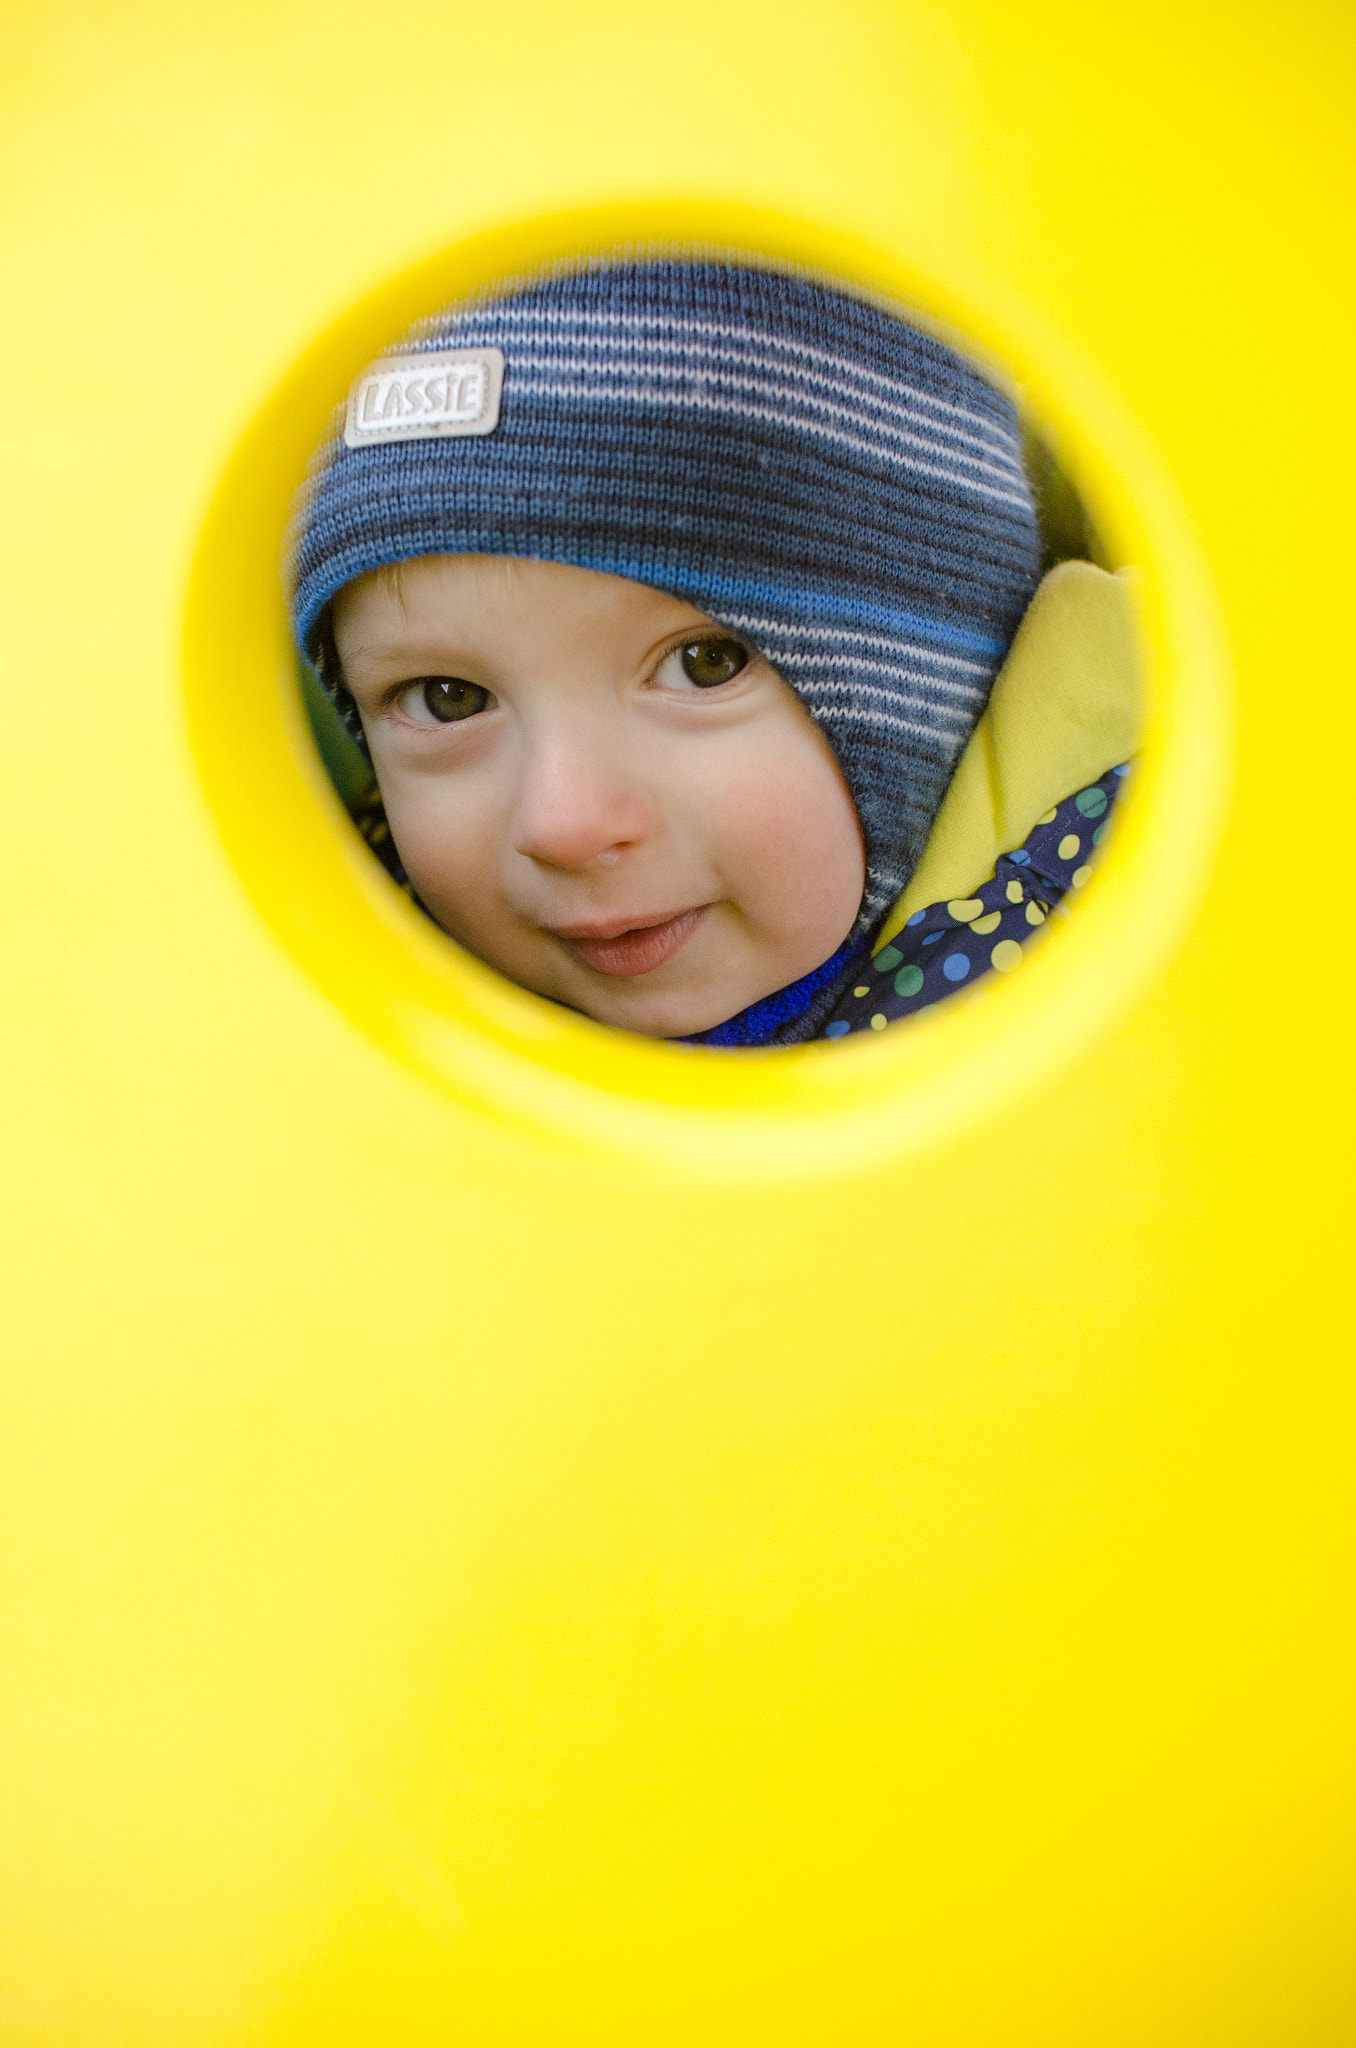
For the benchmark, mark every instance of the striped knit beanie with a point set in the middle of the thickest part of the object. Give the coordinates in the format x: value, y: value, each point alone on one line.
x: 837, y: 488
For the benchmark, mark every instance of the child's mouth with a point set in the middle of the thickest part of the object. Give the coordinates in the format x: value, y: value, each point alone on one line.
x: 637, y: 950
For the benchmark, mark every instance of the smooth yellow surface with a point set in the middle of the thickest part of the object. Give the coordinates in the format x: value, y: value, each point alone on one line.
x: 513, y: 1536
x: 1066, y: 706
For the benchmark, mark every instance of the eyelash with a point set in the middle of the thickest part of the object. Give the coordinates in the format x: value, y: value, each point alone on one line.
x: 709, y: 640
x: 447, y: 683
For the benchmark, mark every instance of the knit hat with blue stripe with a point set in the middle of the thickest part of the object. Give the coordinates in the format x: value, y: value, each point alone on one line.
x: 839, y: 489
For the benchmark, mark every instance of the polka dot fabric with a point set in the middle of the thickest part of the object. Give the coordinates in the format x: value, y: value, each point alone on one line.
x: 949, y: 947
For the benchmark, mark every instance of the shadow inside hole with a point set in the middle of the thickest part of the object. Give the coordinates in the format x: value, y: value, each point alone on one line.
x: 1067, y: 531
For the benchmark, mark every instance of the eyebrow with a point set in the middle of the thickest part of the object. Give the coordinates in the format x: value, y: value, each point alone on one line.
x: 698, y: 626
x: 414, y: 662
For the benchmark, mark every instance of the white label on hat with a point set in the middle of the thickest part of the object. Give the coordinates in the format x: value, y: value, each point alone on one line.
x: 416, y: 398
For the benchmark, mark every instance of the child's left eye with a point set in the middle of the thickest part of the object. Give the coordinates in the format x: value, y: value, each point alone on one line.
x: 702, y: 664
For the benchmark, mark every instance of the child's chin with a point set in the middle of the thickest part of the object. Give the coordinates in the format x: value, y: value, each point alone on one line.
x: 656, y: 1014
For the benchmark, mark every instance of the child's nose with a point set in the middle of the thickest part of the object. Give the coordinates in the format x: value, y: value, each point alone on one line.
x: 574, y: 807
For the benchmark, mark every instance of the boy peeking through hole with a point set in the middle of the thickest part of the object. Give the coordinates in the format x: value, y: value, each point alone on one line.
x: 677, y: 604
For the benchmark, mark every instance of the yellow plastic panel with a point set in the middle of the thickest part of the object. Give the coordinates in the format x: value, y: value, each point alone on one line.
x: 515, y: 1536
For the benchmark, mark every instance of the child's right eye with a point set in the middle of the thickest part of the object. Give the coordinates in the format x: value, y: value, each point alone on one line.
x: 442, y: 700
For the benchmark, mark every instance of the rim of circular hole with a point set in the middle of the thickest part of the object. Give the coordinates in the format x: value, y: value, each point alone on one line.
x: 751, y: 1114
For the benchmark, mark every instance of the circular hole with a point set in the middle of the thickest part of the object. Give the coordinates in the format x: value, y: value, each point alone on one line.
x: 810, y: 1109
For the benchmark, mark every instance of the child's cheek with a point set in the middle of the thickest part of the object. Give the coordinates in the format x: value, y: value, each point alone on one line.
x: 786, y: 832
x: 446, y: 837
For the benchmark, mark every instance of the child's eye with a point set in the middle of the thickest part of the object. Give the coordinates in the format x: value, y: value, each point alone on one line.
x: 442, y: 700
x: 704, y: 663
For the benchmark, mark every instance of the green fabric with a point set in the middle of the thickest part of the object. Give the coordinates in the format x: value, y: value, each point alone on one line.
x: 1065, y: 709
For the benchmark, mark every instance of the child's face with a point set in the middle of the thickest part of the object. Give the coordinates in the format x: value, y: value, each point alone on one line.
x: 597, y: 790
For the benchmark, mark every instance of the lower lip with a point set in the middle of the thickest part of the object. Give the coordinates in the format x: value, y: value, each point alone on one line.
x: 637, y: 952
